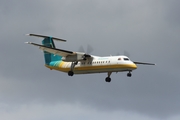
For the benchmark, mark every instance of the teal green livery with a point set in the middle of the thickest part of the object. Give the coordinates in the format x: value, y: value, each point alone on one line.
x: 49, y: 57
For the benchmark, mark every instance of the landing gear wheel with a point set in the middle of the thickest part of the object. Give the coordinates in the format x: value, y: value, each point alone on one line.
x: 70, y: 73
x: 129, y: 74
x: 108, y: 79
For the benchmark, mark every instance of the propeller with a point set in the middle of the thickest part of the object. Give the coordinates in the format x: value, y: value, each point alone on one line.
x: 125, y: 53
x: 87, y: 52
x: 89, y: 49
x: 81, y: 49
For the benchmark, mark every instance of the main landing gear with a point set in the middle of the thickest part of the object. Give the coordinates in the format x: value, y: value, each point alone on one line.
x: 71, y: 73
x: 129, y: 74
x: 108, y: 79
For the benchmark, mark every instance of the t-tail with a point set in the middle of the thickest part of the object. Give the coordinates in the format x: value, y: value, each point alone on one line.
x: 49, y: 57
x: 49, y: 43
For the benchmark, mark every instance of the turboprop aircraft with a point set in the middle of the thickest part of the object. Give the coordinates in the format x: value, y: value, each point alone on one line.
x: 82, y: 63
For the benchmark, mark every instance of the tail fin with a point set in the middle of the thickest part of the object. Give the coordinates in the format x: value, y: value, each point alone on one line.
x: 49, y: 57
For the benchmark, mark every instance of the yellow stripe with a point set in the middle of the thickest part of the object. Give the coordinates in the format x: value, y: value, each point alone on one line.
x: 84, y: 68
x: 61, y: 64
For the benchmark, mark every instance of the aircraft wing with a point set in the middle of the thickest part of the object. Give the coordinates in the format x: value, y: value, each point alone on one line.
x: 144, y: 63
x: 55, y: 51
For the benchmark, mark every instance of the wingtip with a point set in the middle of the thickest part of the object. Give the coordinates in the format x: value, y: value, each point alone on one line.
x: 28, y: 42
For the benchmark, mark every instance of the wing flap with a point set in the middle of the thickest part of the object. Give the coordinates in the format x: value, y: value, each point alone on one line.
x: 55, y: 51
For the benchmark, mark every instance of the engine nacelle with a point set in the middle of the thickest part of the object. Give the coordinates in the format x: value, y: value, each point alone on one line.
x: 73, y: 58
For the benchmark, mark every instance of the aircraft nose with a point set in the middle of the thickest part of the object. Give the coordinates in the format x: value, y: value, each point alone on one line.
x: 134, y: 66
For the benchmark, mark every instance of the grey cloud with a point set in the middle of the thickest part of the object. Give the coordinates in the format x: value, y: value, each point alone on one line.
x: 149, y: 30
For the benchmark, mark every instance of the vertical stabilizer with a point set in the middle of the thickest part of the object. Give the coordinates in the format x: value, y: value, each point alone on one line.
x: 49, y: 57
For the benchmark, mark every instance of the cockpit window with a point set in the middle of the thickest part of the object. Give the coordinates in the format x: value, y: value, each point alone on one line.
x: 119, y: 58
x: 126, y: 59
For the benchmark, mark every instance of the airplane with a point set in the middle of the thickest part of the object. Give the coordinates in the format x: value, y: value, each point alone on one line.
x: 82, y: 63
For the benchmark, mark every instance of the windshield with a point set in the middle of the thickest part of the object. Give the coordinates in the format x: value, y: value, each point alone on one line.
x: 126, y: 59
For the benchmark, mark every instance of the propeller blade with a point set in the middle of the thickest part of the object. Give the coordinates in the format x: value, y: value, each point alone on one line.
x: 81, y: 49
x: 89, y: 49
x: 87, y: 53
x: 118, y: 54
x: 126, y: 54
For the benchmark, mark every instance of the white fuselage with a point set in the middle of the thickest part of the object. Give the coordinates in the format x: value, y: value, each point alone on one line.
x: 105, y: 64
x: 98, y: 65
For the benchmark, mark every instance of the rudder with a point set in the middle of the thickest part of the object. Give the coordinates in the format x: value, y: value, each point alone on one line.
x: 49, y: 57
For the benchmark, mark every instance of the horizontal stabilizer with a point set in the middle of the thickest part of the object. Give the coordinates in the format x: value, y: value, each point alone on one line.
x: 54, y: 51
x: 144, y: 63
x: 43, y: 36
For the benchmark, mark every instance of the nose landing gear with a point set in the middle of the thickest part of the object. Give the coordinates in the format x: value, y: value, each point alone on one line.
x: 108, y: 79
x: 129, y: 74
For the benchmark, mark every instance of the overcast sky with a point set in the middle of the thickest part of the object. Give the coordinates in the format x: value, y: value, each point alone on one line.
x: 148, y: 29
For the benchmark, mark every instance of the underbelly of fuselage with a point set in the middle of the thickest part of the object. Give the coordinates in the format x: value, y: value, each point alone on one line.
x: 96, y: 69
